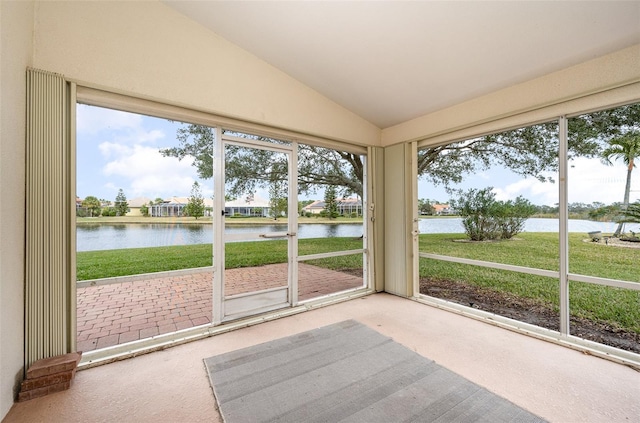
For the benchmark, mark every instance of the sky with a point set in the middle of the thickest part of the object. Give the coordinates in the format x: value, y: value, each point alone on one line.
x: 589, y: 181
x: 121, y: 150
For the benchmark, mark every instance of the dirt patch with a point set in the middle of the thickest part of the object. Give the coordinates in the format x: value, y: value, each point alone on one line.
x: 527, y: 310
x: 615, y: 242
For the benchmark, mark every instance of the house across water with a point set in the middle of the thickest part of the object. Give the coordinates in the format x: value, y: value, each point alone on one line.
x: 346, y: 207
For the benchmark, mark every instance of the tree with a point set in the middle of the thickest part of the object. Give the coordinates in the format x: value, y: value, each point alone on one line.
x: 474, y: 207
x: 604, y: 213
x: 121, y: 206
x: 511, y: 216
x: 330, y: 202
x: 625, y: 148
x: 278, y: 202
x: 632, y: 213
x: 302, y: 204
x: 248, y: 169
x: 485, y: 218
x: 424, y: 207
x: 530, y: 151
x: 195, y: 205
x: 144, y: 210
x: 92, y: 204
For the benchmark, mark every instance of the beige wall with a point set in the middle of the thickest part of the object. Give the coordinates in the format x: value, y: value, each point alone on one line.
x: 148, y: 49
x: 16, y: 20
x: 601, y: 74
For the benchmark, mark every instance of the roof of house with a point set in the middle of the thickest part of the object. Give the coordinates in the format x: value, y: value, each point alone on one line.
x: 342, y: 202
x: 138, y: 202
x: 254, y: 201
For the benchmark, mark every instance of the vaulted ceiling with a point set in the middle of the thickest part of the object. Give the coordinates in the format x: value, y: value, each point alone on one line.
x: 391, y: 61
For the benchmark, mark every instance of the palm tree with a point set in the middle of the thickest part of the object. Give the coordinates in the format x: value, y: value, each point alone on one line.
x: 632, y: 214
x: 627, y: 148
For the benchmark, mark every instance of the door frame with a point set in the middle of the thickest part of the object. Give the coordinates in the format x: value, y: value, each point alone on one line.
x: 220, y: 309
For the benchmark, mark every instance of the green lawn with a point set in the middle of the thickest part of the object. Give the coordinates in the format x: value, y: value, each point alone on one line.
x: 619, y: 307
x: 540, y: 250
x: 134, y: 261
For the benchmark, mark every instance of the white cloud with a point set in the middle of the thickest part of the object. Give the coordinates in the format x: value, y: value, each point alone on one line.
x: 148, y: 173
x: 138, y: 160
x: 154, y: 186
x: 538, y: 192
x: 92, y: 120
x: 118, y: 127
x: 112, y: 149
x: 589, y: 180
x: 123, y: 149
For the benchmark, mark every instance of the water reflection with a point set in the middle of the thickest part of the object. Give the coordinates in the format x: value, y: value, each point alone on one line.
x: 109, y: 237
x: 331, y: 231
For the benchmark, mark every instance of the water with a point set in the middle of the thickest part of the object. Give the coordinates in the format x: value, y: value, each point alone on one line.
x: 118, y: 236
x: 454, y: 225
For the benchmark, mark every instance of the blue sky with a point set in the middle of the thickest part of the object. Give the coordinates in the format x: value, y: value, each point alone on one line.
x: 588, y: 181
x: 121, y: 150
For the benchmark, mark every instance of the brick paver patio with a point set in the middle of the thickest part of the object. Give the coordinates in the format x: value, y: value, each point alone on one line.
x: 117, y: 313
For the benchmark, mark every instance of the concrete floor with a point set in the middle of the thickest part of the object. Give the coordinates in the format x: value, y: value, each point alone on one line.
x: 556, y: 383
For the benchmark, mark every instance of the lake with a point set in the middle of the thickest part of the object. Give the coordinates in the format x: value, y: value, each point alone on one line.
x: 118, y: 236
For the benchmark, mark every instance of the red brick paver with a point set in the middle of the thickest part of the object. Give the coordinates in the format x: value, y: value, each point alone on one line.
x: 117, y: 313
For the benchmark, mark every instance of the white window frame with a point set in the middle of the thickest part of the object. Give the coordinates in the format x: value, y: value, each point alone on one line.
x: 563, y: 275
x: 98, y: 96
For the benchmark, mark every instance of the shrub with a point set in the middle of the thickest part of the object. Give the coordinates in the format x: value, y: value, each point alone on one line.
x: 512, y: 215
x: 474, y: 207
x: 109, y: 212
x: 144, y: 210
x: 485, y: 218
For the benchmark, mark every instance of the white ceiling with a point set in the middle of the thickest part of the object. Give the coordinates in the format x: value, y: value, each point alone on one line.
x: 391, y: 61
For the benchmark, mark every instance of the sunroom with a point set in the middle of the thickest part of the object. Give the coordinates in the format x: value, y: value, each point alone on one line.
x: 500, y: 108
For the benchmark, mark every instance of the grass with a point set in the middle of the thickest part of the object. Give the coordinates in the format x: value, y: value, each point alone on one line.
x: 618, y: 307
x: 540, y: 250
x: 134, y: 261
x: 615, y: 306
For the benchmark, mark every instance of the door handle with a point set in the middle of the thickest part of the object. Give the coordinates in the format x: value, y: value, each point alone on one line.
x: 278, y: 235
x: 273, y: 235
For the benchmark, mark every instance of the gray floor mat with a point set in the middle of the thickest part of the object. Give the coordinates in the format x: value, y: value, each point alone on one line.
x: 351, y: 373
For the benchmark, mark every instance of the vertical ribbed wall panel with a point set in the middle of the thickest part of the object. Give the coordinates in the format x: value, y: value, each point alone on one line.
x: 48, y: 255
